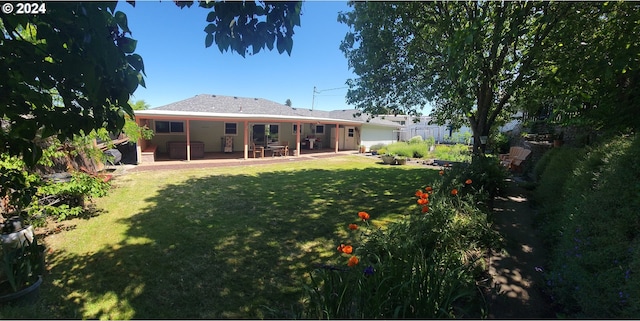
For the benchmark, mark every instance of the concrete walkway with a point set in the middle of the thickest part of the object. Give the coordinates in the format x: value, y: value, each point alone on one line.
x: 517, y: 271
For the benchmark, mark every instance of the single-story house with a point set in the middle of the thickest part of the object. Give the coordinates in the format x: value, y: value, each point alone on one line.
x: 211, y: 124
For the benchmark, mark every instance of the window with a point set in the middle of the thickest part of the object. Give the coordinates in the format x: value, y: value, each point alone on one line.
x: 295, y: 129
x: 168, y: 127
x: 320, y: 129
x: 230, y: 128
x: 350, y: 132
x: 272, y: 133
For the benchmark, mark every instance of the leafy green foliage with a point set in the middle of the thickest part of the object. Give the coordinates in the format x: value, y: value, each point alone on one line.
x: 596, y: 253
x: 423, y: 266
x: 16, y: 183
x: 22, y: 264
x: 599, y: 42
x: 240, y: 25
x: 69, y: 71
x: 467, y: 58
x: 70, y: 196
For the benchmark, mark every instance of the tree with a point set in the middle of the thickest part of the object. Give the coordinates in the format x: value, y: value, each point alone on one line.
x: 140, y: 105
x: 288, y: 103
x: 466, y: 58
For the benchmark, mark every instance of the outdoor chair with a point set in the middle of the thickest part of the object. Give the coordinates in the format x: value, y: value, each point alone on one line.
x: 257, y: 150
x: 514, y: 161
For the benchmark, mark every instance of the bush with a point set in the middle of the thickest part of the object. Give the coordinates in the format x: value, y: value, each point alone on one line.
x: 553, y: 170
x: 377, y: 147
x: 597, y: 254
x: 416, y: 140
x: 453, y: 153
x: 415, y: 150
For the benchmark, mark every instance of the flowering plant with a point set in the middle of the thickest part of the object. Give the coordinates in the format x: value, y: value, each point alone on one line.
x: 421, y: 266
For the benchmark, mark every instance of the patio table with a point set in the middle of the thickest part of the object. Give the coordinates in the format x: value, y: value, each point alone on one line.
x: 279, y: 149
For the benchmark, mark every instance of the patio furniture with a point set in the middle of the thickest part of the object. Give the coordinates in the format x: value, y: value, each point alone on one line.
x: 178, y: 150
x: 514, y: 159
x: 276, y: 148
x: 259, y: 150
x: 228, y: 144
x: 514, y: 150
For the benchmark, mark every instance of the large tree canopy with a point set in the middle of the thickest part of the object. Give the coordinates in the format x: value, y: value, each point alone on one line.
x: 466, y: 58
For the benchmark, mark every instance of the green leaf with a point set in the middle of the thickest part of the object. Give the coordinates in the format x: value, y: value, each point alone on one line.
x: 210, y: 28
x: 208, y: 40
x: 211, y: 16
x: 280, y: 44
x: 135, y: 61
x: 127, y: 45
x: 121, y: 19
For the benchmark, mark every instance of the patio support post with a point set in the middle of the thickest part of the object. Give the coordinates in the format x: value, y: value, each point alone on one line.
x: 188, y: 142
x: 337, y: 137
x: 139, y: 143
x: 246, y: 139
x: 298, y: 139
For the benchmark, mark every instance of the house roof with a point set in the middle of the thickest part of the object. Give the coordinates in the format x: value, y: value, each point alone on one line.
x: 205, y: 105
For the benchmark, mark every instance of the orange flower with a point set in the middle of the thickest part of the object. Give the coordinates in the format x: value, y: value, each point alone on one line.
x: 340, y: 248
x: 425, y: 195
x: 353, y: 261
x: 454, y: 192
x: 441, y: 173
x: 468, y: 182
x: 353, y: 227
x: 419, y: 193
x: 348, y: 249
x: 363, y: 215
x: 425, y: 209
x: 423, y: 201
x: 429, y: 189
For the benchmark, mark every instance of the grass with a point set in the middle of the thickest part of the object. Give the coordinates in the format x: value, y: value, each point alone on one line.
x: 231, y: 242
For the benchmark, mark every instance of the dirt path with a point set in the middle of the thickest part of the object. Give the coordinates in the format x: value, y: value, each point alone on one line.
x: 516, y: 271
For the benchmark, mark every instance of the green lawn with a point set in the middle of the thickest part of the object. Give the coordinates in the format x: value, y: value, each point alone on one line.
x: 230, y: 242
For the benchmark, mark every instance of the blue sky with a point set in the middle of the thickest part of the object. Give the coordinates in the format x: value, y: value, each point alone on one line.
x: 178, y: 66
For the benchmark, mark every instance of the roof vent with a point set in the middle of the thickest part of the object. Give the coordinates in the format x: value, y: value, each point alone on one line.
x: 213, y: 95
x: 255, y: 98
x: 234, y: 97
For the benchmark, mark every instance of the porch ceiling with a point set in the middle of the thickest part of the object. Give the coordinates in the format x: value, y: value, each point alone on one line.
x: 180, y: 115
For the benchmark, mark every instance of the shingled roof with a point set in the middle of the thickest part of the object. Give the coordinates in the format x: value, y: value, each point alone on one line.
x: 216, y: 104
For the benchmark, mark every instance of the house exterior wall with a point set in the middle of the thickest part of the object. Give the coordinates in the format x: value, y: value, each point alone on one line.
x: 372, y: 134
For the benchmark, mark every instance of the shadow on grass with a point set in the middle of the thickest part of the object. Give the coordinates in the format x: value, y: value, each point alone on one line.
x: 225, y: 246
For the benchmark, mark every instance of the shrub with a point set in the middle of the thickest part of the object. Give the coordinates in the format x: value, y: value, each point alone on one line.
x: 415, y: 150
x: 70, y: 195
x: 593, y: 267
x: 453, y: 153
x: 553, y: 169
x: 416, y: 140
x: 377, y: 147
